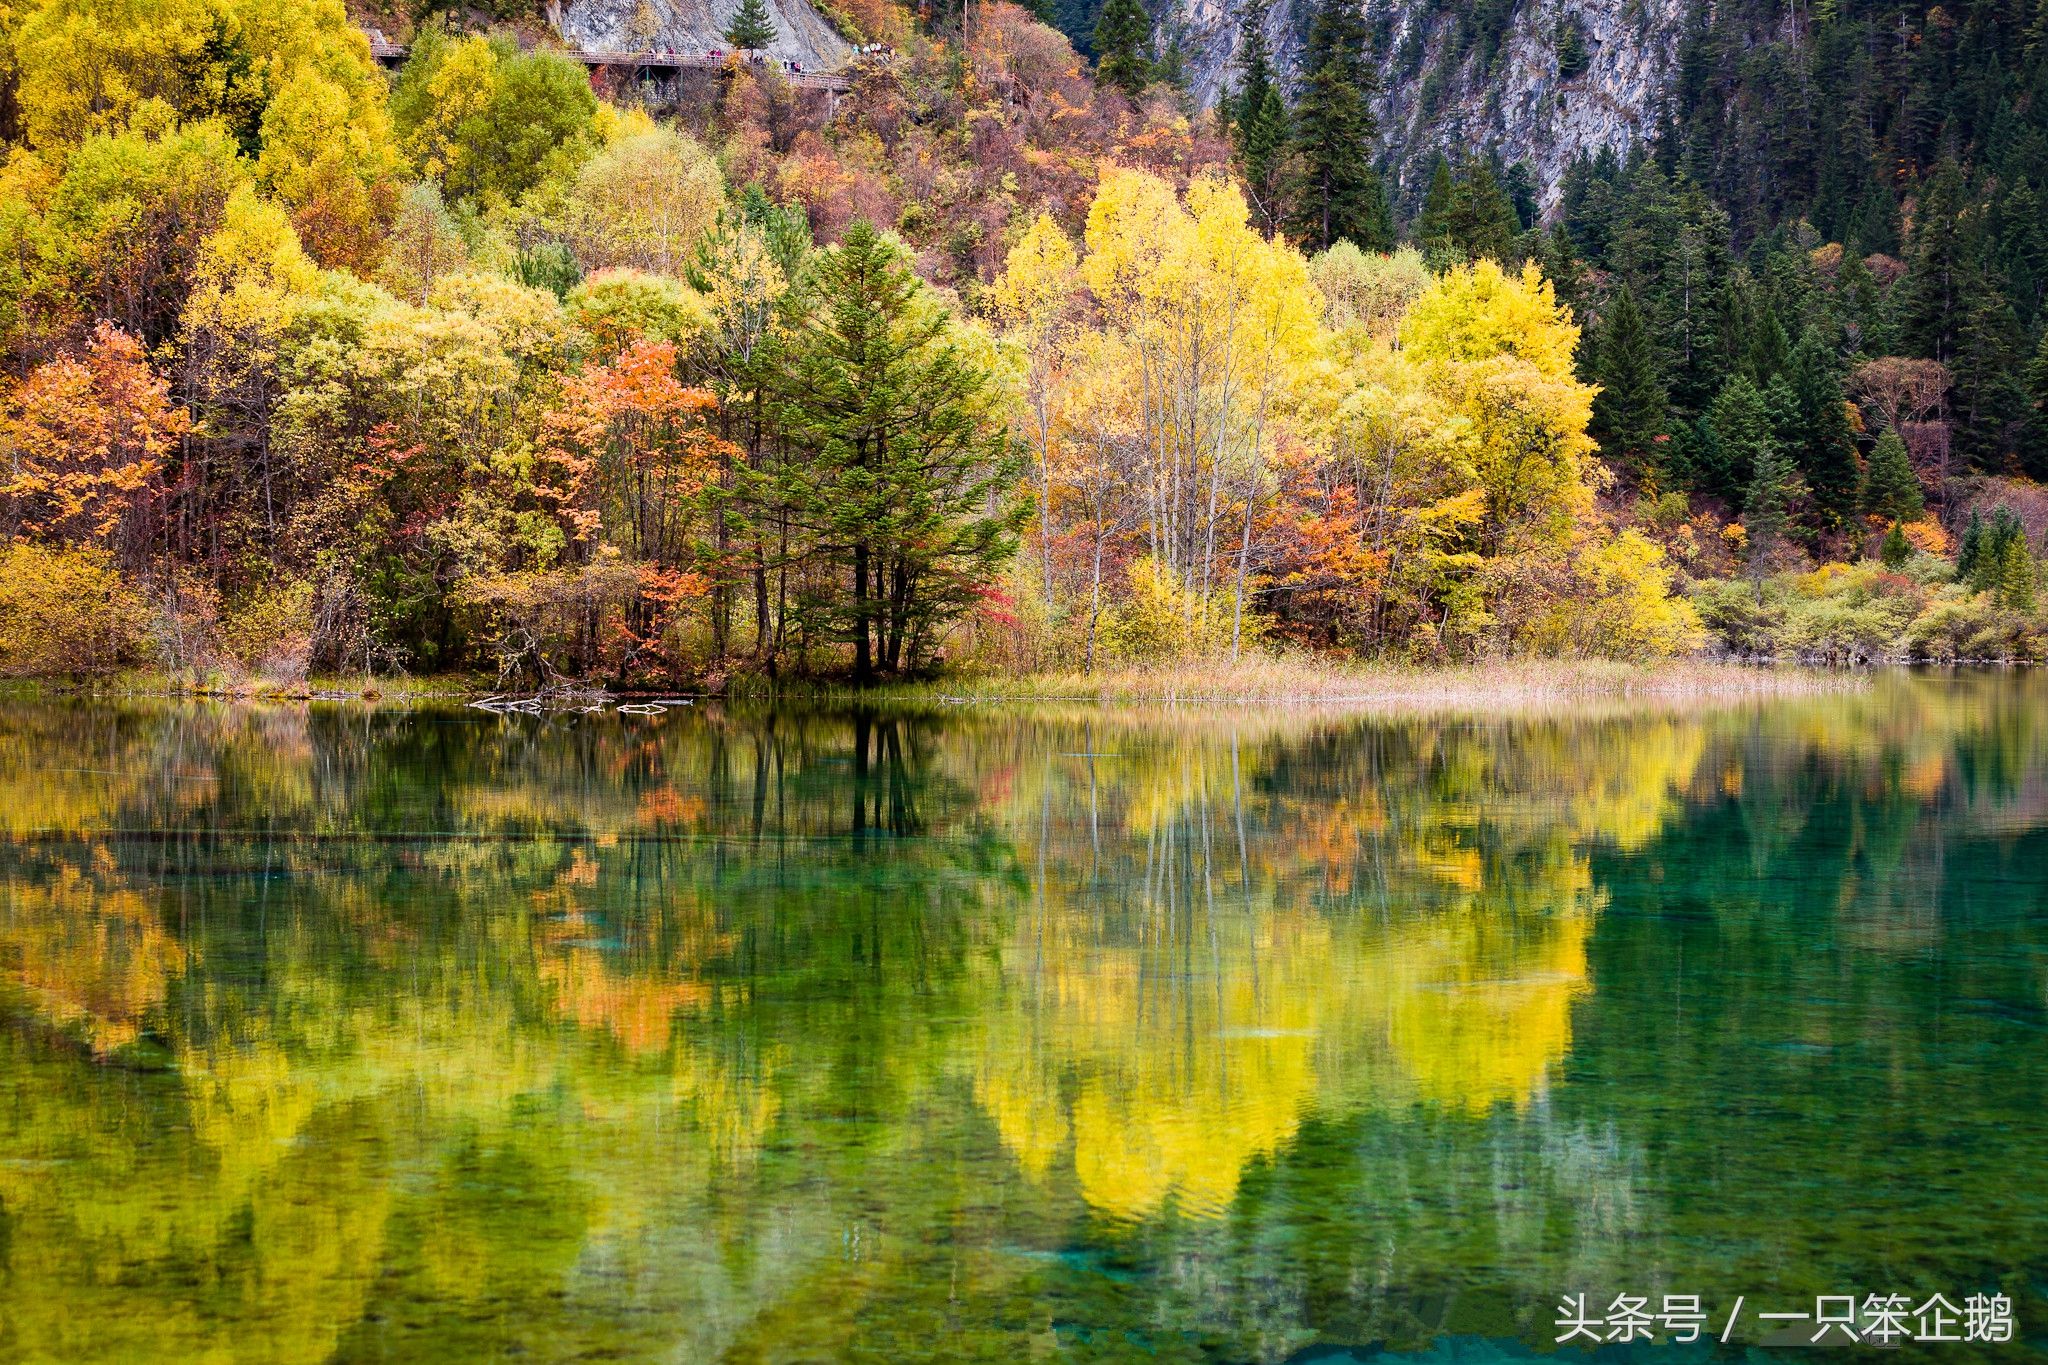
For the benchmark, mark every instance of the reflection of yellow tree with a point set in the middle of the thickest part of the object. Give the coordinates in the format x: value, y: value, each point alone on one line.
x: 1161, y: 1043
x: 1168, y: 959
x: 90, y: 956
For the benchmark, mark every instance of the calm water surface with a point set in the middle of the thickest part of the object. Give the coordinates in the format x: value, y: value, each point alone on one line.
x: 371, y: 1033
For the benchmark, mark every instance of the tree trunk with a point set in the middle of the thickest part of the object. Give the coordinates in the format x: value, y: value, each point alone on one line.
x: 863, y: 661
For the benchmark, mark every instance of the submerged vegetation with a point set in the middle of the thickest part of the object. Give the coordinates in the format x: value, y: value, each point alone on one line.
x: 990, y: 367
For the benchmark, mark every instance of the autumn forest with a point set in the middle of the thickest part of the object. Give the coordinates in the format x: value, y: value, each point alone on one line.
x: 1002, y: 358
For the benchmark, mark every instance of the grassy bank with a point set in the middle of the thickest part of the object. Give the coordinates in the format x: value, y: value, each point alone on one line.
x: 1262, y: 681
x: 1292, y: 681
x: 399, y: 687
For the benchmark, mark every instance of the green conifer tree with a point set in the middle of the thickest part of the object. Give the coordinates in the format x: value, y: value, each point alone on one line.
x: 1482, y: 216
x: 1258, y: 119
x: 752, y: 28
x: 1766, y: 510
x: 1433, y: 225
x: 2000, y: 562
x: 1889, y: 486
x: 1970, y: 549
x: 904, y: 455
x: 1818, y: 437
x: 1335, y: 193
x: 1121, y: 32
x: 1630, y: 413
x: 1934, y: 294
x: 1895, y: 549
x: 2034, y: 444
x: 1988, y: 374
x: 1737, y: 432
x: 1573, y: 57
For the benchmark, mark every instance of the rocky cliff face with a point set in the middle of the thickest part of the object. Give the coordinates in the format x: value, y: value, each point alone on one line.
x: 695, y: 26
x: 1435, y: 100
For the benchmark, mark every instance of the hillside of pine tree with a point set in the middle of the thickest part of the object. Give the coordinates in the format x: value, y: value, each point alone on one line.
x: 1335, y: 331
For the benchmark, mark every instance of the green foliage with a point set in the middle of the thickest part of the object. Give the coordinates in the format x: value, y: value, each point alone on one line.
x: 1839, y: 614
x: 1895, y: 549
x: 1258, y: 118
x: 1766, y: 505
x: 1816, y: 433
x: 1996, y: 559
x: 1733, y: 437
x: 2034, y: 450
x: 1573, y: 55
x: 488, y: 122
x: 1466, y: 216
x: 1335, y: 193
x: 1890, y: 488
x: 1122, y: 30
x: 1630, y: 413
x: 752, y: 28
x: 905, y: 454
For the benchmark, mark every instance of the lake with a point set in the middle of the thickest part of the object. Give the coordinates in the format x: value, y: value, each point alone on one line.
x: 735, y: 1033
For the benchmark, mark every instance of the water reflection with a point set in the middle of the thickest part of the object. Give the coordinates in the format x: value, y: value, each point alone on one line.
x: 347, y: 1031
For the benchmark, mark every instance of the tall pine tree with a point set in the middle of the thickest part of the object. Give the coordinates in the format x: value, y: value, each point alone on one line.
x: 905, y: 455
x: 1121, y: 32
x: 1988, y: 370
x: 1766, y: 510
x: 1258, y: 118
x: 1818, y: 436
x: 751, y: 29
x: 1889, y: 486
x: 2034, y: 444
x: 1335, y: 192
x: 1630, y: 411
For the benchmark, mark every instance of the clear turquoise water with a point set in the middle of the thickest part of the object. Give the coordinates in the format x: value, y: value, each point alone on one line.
x: 370, y: 1033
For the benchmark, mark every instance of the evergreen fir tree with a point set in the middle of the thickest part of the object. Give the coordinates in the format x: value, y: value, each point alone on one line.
x: 1630, y: 411
x: 1996, y: 559
x: 1121, y: 32
x: 1970, y: 549
x: 1573, y: 57
x: 1520, y: 184
x: 2034, y: 443
x: 1433, y: 224
x: 1770, y: 350
x: 1819, y: 439
x: 752, y: 29
x: 903, y: 456
x: 1736, y: 431
x: 1258, y: 118
x: 2023, y: 250
x: 1858, y: 308
x: 1895, y: 549
x: 1482, y: 217
x: 1933, y: 295
x: 2013, y: 581
x: 1766, y: 510
x: 1335, y: 192
x: 1990, y: 397
x: 1889, y: 486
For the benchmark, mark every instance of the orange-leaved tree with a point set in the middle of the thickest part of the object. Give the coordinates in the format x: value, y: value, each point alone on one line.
x: 630, y: 465
x: 83, y: 443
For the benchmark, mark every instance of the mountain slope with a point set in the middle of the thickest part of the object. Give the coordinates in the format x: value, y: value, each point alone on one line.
x: 802, y: 34
x: 1493, y: 79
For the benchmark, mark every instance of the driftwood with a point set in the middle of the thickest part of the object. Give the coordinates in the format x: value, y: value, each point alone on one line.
x: 559, y: 698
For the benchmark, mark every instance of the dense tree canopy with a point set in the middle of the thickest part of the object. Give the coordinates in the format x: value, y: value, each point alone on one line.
x: 483, y: 365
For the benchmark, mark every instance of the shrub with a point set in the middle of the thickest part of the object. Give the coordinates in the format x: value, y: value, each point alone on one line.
x: 270, y: 632
x: 65, y: 611
x: 1160, y: 620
